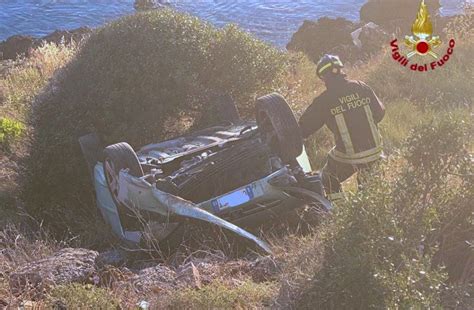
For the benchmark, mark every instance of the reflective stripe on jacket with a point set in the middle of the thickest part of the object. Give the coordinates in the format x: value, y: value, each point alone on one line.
x: 351, y: 110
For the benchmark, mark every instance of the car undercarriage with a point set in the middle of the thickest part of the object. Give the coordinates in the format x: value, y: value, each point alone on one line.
x: 241, y: 173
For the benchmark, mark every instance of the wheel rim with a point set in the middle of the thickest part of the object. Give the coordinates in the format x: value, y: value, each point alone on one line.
x: 111, y: 178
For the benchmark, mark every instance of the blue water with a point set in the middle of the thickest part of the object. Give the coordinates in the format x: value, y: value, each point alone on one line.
x: 272, y: 20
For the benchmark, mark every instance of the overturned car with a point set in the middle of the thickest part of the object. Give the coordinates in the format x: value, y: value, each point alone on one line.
x: 237, y: 175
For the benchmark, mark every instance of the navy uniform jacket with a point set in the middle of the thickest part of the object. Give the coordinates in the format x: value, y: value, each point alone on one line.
x: 351, y: 110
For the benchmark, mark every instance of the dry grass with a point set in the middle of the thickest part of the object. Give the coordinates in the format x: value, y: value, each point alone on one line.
x: 23, y: 82
x: 18, y: 248
x: 20, y: 82
x: 221, y: 295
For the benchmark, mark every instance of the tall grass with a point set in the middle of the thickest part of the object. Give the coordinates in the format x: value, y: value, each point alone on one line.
x: 18, y: 247
x: 401, y: 117
x: 23, y: 82
x: 20, y: 84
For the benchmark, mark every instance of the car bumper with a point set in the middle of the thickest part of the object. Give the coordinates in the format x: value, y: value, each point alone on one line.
x: 261, y: 200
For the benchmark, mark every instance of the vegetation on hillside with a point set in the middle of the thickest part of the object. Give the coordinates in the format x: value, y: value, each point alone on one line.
x: 380, y: 248
x: 21, y: 82
x: 139, y: 79
x: 403, y: 240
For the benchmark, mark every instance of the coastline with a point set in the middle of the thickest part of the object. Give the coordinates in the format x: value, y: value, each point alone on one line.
x: 380, y: 14
x: 49, y: 17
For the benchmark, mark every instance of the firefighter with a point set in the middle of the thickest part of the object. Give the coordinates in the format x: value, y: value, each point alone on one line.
x: 351, y: 110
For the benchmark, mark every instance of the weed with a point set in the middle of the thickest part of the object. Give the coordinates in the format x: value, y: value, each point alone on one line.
x: 218, y: 295
x: 10, y: 131
x: 76, y: 296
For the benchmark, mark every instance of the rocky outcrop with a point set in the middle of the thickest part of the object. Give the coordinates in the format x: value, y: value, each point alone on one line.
x: 350, y: 41
x: 357, y: 42
x: 69, y: 265
x: 66, y: 266
x: 395, y: 15
x: 19, y: 45
x: 16, y: 45
x: 322, y: 36
x: 369, y: 39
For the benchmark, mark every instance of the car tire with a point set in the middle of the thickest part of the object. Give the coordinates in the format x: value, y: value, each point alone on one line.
x: 117, y: 157
x: 124, y: 157
x: 278, y: 125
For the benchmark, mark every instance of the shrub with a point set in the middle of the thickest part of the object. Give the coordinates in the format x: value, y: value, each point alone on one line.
x: 381, y: 248
x: 217, y: 295
x: 139, y: 79
x: 76, y: 296
x: 440, y: 151
x: 10, y: 130
x: 368, y: 262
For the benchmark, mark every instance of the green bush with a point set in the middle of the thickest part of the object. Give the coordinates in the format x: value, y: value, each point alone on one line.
x: 76, y: 296
x: 217, y: 295
x: 385, y: 247
x: 139, y: 79
x: 10, y: 130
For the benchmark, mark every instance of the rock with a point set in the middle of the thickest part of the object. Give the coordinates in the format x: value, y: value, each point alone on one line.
x: 17, y: 45
x: 339, y: 37
x: 323, y: 36
x: 395, y: 14
x: 369, y: 39
x: 67, y: 36
x: 20, y: 45
x: 66, y: 266
x: 188, y: 276
x: 113, y: 257
x: 153, y: 279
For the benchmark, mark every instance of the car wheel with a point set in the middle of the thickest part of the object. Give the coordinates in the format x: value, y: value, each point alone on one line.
x: 117, y: 157
x: 279, y: 127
